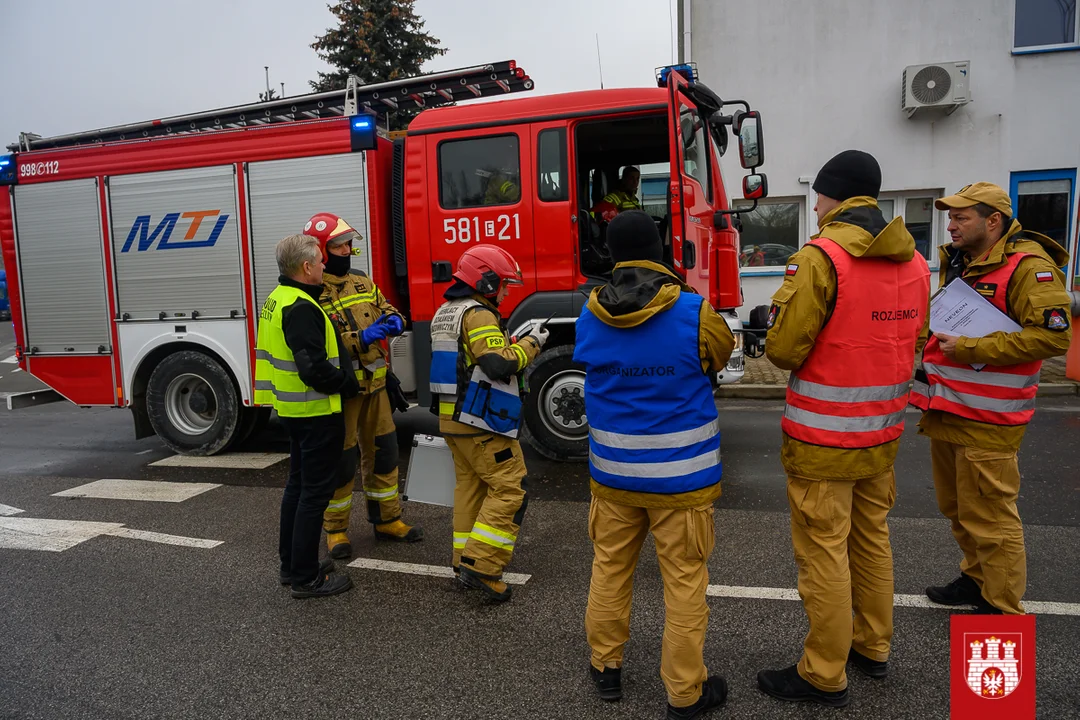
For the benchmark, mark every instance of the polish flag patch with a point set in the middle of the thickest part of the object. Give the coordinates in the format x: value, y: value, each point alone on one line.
x: 1044, y: 276
x: 791, y: 269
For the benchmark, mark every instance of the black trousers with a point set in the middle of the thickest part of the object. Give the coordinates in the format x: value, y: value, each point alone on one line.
x: 316, y: 445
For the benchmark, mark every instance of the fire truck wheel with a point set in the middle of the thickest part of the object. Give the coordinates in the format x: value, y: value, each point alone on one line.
x: 555, y: 423
x: 192, y: 403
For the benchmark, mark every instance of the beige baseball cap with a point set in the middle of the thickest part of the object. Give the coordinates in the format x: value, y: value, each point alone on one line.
x: 980, y: 192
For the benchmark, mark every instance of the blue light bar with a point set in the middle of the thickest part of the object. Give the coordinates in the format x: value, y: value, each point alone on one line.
x: 363, y: 132
x: 7, y: 170
x: 686, y: 70
x: 362, y: 123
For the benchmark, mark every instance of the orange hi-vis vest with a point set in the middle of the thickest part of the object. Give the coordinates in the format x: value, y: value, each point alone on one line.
x: 852, y: 388
x: 999, y: 395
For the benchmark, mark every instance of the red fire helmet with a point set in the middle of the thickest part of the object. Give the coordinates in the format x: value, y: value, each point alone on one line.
x: 326, y: 228
x: 486, y: 267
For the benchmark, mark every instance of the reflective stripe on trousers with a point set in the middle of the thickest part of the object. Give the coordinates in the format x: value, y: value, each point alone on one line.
x: 490, y: 536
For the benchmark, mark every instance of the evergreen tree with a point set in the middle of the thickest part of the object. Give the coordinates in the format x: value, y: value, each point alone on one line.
x: 376, y: 40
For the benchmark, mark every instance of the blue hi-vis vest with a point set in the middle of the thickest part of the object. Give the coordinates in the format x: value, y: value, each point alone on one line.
x: 490, y: 405
x: 653, y: 425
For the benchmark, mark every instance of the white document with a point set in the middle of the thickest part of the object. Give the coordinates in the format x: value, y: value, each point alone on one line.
x: 957, y: 309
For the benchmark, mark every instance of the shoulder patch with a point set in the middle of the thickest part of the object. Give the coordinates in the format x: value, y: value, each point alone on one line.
x: 791, y: 269
x: 773, y: 312
x: 1044, y: 276
x: 1056, y: 319
x: 986, y: 289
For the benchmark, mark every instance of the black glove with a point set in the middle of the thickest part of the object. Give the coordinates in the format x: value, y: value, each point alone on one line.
x: 394, y: 393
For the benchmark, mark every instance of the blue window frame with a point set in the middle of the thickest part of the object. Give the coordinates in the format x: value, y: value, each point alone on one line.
x: 1043, y: 201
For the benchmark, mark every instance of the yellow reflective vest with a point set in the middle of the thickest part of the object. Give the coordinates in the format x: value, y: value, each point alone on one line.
x: 277, y: 380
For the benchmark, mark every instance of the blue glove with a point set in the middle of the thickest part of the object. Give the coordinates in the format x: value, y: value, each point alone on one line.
x: 394, y: 322
x: 374, y: 333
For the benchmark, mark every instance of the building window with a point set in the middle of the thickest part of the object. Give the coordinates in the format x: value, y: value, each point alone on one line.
x: 920, y: 218
x: 551, y: 165
x: 479, y: 172
x: 770, y: 234
x: 1042, y: 202
x: 1045, y: 25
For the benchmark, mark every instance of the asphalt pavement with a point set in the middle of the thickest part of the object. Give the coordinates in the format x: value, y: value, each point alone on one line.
x: 140, y: 617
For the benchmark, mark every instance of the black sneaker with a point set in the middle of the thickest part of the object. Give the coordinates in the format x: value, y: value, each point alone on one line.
x: 324, y: 585
x: 713, y: 695
x: 984, y: 608
x: 608, y: 683
x: 871, y: 668
x: 788, y: 684
x: 325, y: 566
x: 961, y: 591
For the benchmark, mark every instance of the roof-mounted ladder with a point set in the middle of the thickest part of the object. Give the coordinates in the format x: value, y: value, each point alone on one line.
x: 423, y: 91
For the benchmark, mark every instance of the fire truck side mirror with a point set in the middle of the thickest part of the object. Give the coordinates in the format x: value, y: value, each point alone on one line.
x: 755, y: 187
x: 751, y: 141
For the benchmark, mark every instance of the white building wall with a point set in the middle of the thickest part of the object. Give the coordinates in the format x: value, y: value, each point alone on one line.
x: 826, y: 76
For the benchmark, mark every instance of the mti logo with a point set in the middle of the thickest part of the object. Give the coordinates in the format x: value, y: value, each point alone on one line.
x: 141, y: 229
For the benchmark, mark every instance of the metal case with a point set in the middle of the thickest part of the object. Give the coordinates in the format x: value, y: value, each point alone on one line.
x: 430, y: 476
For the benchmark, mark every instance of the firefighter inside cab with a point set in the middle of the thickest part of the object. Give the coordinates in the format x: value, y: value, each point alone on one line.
x: 502, y: 181
x: 475, y: 391
x: 622, y: 198
x: 365, y: 320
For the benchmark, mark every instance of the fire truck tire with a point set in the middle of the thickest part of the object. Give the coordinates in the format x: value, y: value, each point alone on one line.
x: 193, y: 403
x: 555, y: 423
x: 253, y: 420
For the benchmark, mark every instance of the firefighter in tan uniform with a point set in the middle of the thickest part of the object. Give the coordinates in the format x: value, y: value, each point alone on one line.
x: 475, y: 371
x: 364, y: 319
x: 848, y: 321
x: 976, y: 419
x: 649, y: 345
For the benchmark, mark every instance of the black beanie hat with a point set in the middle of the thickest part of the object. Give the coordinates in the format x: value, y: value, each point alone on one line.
x: 632, y: 235
x: 849, y: 174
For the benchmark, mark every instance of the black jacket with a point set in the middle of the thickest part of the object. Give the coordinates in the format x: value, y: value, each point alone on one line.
x: 304, y: 325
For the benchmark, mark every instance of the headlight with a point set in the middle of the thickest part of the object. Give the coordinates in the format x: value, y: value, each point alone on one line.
x: 738, y: 340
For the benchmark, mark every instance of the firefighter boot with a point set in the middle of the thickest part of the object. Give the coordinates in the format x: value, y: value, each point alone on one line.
x: 496, y: 590
x: 398, y: 531
x: 338, y: 545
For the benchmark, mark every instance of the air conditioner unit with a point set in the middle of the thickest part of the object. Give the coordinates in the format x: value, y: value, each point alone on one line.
x: 941, y: 85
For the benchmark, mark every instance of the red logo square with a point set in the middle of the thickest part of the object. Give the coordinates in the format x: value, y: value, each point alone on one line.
x: 992, y: 667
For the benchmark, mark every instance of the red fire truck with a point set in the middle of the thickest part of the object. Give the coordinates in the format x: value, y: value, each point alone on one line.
x: 138, y: 255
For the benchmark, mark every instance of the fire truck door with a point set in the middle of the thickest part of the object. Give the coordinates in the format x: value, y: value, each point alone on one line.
x: 485, y: 187
x: 553, y: 213
x: 690, y: 187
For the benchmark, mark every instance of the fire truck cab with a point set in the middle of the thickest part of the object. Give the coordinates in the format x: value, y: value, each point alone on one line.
x: 138, y: 256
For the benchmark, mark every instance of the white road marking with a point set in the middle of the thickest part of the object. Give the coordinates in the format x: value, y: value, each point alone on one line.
x: 432, y: 570
x: 10, y: 360
x: 149, y: 490
x: 157, y: 537
x: 49, y: 535
x: 144, y: 452
x: 8, y: 510
x: 233, y: 461
x: 899, y: 600
x: 60, y: 535
x: 1059, y: 409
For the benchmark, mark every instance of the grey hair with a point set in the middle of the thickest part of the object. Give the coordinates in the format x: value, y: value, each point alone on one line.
x: 292, y: 252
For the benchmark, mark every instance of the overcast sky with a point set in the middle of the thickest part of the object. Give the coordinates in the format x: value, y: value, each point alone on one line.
x: 84, y: 65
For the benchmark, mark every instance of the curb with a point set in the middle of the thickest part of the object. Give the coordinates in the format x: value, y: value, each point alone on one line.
x: 1058, y: 389
x: 752, y: 392
x: 778, y: 392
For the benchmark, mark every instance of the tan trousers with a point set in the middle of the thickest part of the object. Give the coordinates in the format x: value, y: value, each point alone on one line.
x: 976, y: 490
x: 369, y: 426
x: 489, y: 501
x: 684, y: 541
x: 841, y: 540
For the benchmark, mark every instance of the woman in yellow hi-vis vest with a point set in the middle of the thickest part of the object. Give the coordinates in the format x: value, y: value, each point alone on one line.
x: 302, y: 370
